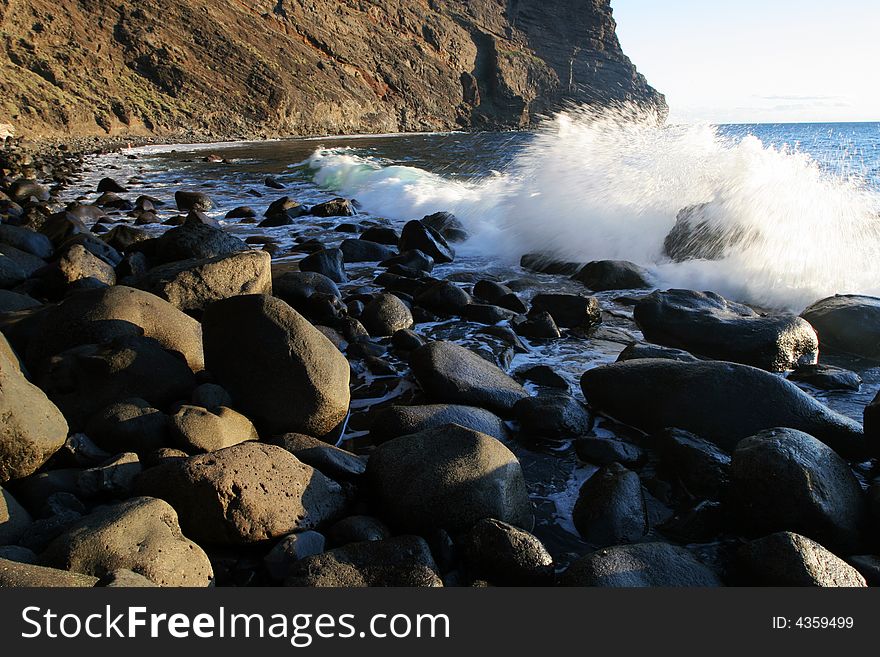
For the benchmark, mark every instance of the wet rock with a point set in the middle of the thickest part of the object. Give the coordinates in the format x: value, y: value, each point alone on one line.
x: 291, y: 549
x: 188, y: 200
x: 786, y: 480
x: 505, y: 555
x: 14, y: 518
x: 385, y: 315
x: 826, y: 377
x: 605, y: 451
x: 18, y: 575
x: 193, y: 284
x: 569, y: 310
x: 241, y: 212
x: 272, y: 183
x: 336, y: 463
x: 121, y: 238
x: 196, y: 429
x: 447, y: 224
x: 356, y: 529
x: 555, y: 416
x: 602, y: 275
x: 328, y: 262
x: 490, y: 291
x: 702, y: 466
x: 115, y: 478
x: 722, y: 402
x: 406, y: 340
x: 542, y: 375
x: 449, y: 478
x: 538, y: 326
x: 32, y: 427
x: 394, y: 421
x: 361, y: 250
x: 193, y: 242
x: 25, y: 262
x: 709, y: 325
x: 130, y: 424
x: 244, y: 494
x: 286, y: 208
x: 381, y: 235
x: 637, y: 350
x: 99, y: 315
x: 448, y: 372
x: 486, y: 314
x: 416, y: 235
x: 697, y: 235
x: 141, y: 534
x: 513, y: 302
x: 444, y: 297
x: 399, y: 561
x: 338, y: 207
x: 610, y: 508
x: 109, y: 185
x: 543, y: 263
x: 304, y: 290
x: 412, y: 260
x: 26, y: 240
x: 787, y: 559
x: 645, y: 564
x: 848, y: 323
x: 23, y: 191
x: 84, y: 380
x: 280, y: 370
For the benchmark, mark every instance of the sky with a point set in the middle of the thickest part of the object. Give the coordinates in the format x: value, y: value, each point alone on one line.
x: 750, y: 61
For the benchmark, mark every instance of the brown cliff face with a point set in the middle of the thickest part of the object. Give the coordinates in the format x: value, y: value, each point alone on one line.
x: 244, y: 68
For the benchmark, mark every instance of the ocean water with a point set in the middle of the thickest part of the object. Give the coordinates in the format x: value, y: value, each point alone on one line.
x: 583, y: 186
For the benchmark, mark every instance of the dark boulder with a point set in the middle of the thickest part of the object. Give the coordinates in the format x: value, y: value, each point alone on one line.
x: 722, y: 402
x: 786, y: 480
x: 699, y: 464
x: 569, y: 310
x: 337, y: 207
x: 364, y: 251
x: 280, y: 370
x: 645, y: 564
x: 556, y: 416
x: 413, y: 260
x: 381, y: 235
x: 451, y: 373
x: 602, y: 275
x: 329, y: 262
x: 195, y: 241
x: 416, y: 235
x: 848, y: 323
x: 637, y: 350
x: 696, y: 235
x: 444, y: 297
x: 505, y: 555
x: 385, y: 315
x: 826, y: 377
x: 336, y: 463
x: 788, y: 559
x: 547, y: 264
x: 709, y: 325
x: 356, y: 529
x: 188, y: 200
x: 26, y: 240
x: 394, y: 421
x: 610, y: 508
x: 447, y: 478
x: 129, y: 425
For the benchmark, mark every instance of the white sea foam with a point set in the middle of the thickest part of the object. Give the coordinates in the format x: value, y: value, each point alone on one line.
x: 609, y: 185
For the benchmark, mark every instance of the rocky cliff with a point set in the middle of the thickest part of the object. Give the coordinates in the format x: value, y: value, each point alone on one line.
x: 242, y: 68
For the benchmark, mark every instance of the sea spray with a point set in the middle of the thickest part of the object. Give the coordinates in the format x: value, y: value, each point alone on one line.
x: 609, y: 184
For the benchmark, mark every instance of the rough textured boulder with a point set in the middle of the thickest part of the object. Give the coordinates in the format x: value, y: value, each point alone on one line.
x: 77, y: 264
x: 719, y: 401
x: 787, y: 559
x: 14, y: 574
x: 98, y: 315
x: 196, y: 429
x: 700, y: 464
x: 14, y: 519
x: 451, y: 373
x: 336, y: 463
x: 697, y: 235
x: 849, y: 323
x: 398, y: 561
x: 281, y: 371
x: 193, y: 284
x: 602, y: 275
x: 709, y: 325
x: 506, y: 555
x: 84, y: 380
x: 32, y: 427
x: 140, y: 534
x: 244, y: 494
x: 644, y: 564
x: 556, y: 416
x: 610, y: 508
x: 448, y: 478
x: 385, y: 315
x: 786, y: 480
x: 394, y: 421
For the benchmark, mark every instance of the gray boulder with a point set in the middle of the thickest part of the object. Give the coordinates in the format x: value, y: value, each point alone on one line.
x: 394, y: 421
x: 385, y: 315
x: 281, y: 371
x: 722, y: 402
x: 641, y: 565
x: 447, y: 478
x: 610, y: 508
x: 709, y: 325
x: 448, y: 372
x: 602, y: 275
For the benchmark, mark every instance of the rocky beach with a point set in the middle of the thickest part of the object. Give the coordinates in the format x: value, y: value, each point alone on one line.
x: 595, y: 350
